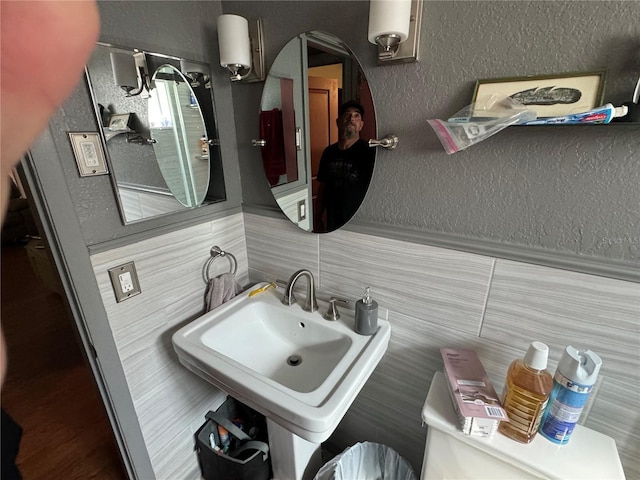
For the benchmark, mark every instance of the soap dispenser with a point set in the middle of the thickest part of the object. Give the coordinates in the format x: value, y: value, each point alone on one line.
x: 366, y: 315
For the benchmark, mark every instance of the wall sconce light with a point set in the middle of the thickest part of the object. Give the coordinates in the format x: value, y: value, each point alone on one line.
x: 394, y: 25
x: 130, y: 72
x: 196, y: 73
x: 240, y: 45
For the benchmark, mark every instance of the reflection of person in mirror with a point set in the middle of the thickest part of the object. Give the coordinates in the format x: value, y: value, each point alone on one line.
x: 345, y: 170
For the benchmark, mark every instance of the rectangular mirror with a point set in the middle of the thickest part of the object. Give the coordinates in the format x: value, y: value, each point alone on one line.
x: 157, y: 122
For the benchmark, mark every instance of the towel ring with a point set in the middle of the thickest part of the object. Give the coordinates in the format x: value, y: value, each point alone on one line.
x: 218, y: 252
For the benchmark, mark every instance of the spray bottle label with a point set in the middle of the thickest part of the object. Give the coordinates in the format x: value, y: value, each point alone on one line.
x: 565, y: 406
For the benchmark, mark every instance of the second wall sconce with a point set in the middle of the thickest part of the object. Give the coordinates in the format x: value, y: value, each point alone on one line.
x: 197, y: 73
x: 394, y: 25
x: 130, y: 72
x: 241, y: 48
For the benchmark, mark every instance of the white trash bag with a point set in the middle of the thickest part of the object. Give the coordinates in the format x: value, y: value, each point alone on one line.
x: 367, y: 461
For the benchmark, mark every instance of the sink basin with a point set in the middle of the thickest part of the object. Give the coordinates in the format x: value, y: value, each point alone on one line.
x: 296, y: 368
x: 291, y: 351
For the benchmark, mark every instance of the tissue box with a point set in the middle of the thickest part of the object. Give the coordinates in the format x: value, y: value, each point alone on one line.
x: 474, y: 398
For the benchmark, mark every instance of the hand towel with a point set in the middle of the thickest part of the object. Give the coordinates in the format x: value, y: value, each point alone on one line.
x: 220, y: 289
x: 273, y: 152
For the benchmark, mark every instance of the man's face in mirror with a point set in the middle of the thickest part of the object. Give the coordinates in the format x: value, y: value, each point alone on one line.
x: 350, y: 123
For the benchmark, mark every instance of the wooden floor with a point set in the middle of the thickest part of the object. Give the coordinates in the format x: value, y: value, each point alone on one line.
x: 49, y: 389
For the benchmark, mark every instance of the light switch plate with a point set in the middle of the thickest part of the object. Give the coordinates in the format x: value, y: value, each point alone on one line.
x: 124, y: 280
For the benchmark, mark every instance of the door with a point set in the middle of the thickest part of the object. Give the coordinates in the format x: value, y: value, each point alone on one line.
x: 72, y: 261
x: 323, y: 130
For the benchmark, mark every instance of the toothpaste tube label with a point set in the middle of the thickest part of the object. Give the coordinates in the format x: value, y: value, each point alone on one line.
x: 596, y: 117
x: 599, y: 115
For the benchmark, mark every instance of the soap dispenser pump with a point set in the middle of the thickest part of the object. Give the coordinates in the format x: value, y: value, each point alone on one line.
x: 366, y: 315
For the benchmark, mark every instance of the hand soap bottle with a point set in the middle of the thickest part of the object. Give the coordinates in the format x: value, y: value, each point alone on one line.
x: 526, y: 394
x: 366, y: 315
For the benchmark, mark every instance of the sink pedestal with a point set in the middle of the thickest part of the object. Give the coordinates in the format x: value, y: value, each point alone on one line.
x: 292, y: 457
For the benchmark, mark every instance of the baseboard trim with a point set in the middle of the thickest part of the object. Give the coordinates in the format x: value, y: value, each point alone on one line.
x: 167, y: 228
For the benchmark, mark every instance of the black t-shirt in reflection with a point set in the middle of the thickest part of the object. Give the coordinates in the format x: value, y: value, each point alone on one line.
x: 346, y: 175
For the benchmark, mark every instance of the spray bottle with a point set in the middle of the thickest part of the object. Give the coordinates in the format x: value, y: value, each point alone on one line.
x: 572, y: 383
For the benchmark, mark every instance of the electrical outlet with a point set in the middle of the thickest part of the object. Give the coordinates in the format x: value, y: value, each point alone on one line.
x: 124, y: 280
x: 302, y: 210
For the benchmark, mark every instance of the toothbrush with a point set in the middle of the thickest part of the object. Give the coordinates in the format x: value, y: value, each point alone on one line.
x: 262, y: 289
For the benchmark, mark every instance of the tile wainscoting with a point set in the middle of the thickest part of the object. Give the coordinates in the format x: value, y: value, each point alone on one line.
x: 433, y: 297
x: 437, y: 297
x: 170, y: 401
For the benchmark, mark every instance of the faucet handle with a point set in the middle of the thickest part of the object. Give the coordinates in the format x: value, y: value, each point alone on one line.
x: 332, y: 312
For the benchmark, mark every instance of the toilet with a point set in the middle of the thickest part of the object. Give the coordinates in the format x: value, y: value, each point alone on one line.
x: 449, y: 454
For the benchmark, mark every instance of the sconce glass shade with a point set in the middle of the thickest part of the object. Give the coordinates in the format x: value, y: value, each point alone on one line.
x: 389, y: 22
x: 125, y: 72
x: 233, y: 41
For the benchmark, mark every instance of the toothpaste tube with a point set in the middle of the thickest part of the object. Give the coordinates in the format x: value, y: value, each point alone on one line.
x: 602, y: 114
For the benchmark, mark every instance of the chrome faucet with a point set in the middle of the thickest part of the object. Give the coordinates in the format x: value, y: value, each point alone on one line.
x: 311, y: 304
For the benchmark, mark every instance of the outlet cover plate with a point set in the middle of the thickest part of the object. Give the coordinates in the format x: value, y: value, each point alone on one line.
x: 124, y: 280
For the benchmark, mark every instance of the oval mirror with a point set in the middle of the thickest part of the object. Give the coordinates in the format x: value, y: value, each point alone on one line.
x: 179, y: 136
x: 316, y: 116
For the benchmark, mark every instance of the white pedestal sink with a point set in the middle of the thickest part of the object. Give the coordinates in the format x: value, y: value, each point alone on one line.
x: 299, y: 370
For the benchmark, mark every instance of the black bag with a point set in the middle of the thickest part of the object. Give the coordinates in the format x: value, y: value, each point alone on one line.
x: 247, y: 457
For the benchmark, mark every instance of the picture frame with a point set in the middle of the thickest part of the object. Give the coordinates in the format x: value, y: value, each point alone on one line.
x: 547, y: 95
x: 89, y: 154
x: 119, y: 121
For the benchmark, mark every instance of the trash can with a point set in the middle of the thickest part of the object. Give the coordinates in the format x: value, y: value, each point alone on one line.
x: 367, y: 461
x: 231, y: 444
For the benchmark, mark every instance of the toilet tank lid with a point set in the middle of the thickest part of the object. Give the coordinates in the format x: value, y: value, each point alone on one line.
x: 588, y: 455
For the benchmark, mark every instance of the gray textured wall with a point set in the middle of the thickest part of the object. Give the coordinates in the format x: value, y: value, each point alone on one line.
x: 570, y: 189
x: 182, y: 29
x: 134, y: 164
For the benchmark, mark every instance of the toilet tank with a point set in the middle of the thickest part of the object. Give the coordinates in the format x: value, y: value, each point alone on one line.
x: 449, y: 454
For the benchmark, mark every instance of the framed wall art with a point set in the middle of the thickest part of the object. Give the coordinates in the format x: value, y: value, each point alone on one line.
x: 547, y: 95
x: 119, y: 121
